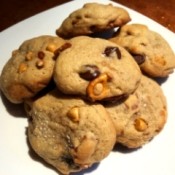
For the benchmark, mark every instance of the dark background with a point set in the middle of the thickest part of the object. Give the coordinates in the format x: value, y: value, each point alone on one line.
x: 13, y: 11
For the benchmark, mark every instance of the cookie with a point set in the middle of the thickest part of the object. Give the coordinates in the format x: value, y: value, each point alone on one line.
x: 30, y: 68
x: 141, y: 116
x: 96, y: 69
x: 92, y: 18
x: 150, y: 50
x: 68, y: 133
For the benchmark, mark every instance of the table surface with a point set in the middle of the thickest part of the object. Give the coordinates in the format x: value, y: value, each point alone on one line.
x: 13, y: 11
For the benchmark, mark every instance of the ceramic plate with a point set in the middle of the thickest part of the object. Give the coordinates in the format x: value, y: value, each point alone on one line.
x: 155, y: 158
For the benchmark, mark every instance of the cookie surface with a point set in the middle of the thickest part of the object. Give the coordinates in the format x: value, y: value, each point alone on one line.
x: 96, y: 69
x: 151, y: 51
x: 30, y: 68
x: 140, y: 117
x: 68, y: 133
x: 91, y: 18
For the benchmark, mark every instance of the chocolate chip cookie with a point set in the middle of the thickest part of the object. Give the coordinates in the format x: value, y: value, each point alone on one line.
x: 68, y: 133
x: 91, y: 18
x: 141, y: 116
x: 150, y: 50
x: 96, y: 69
x: 30, y: 68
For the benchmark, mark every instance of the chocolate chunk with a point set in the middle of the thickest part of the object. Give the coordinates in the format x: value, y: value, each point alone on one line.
x: 89, y: 72
x: 41, y: 55
x: 139, y: 58
x: 115, y: 99
x: 110, y: 50
x: 69, y: 160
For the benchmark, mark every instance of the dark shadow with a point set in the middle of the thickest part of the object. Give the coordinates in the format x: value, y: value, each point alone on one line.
x: 16, y: 110
x: 160, y: 80
x: 123, y: 149
x: 104, y: 34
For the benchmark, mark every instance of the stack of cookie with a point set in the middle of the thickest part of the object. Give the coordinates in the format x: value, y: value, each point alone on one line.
x: 84, y: 94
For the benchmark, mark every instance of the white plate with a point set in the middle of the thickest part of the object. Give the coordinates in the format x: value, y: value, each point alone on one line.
x: 155, y: 158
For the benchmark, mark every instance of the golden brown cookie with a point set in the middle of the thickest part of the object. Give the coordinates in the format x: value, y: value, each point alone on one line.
x: 68, y: 133
x: 150, y: 50
x: 91, y: 18
x: 30, y: 68
x: 96, y: 69
x: 141, y: 116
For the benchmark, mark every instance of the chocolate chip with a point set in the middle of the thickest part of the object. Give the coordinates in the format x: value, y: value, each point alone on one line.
x: 69, y: 160
x: 115, y: 99
x: 110, y: 50
x: 41, y: 55
x: 139, y: 58
x: 89, y: 72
